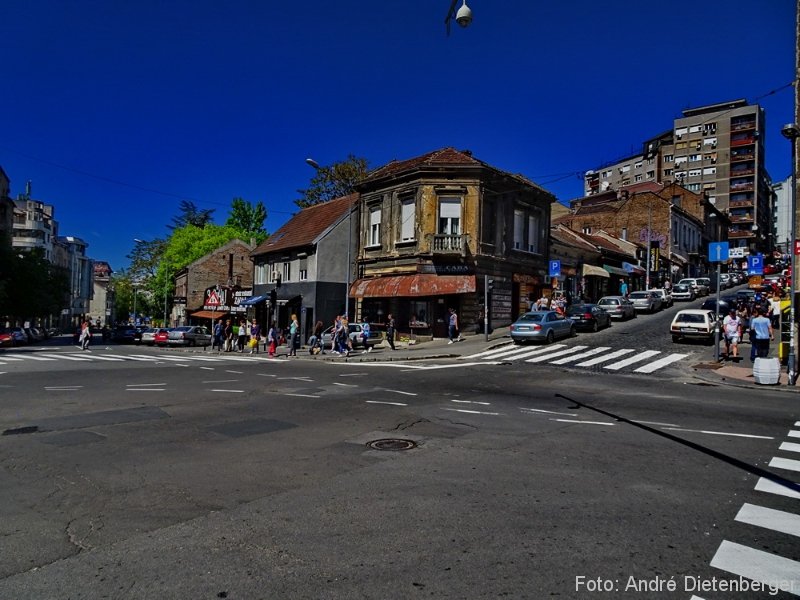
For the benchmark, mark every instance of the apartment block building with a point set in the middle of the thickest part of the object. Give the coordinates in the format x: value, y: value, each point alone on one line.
x: 715, y: 150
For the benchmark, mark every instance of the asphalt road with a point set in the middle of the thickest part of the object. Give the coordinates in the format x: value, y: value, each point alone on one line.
x: 255, y: 479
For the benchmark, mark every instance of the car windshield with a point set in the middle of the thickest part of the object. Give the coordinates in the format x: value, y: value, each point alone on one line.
x: 686, y: 282
x: 681, y: 288
x: 690, y: 318
x: 578, y: 309
x: 531, y: 317
x: 608, y: 302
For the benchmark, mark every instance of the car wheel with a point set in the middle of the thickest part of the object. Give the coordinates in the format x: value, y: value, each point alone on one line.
x: 550, y: 337
x: 675, y: 339
x: 573, y: 332
x: 594, y: 327
x: 516, y: 342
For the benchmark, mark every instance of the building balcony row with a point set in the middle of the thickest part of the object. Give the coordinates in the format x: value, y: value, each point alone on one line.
x: 740, y: 233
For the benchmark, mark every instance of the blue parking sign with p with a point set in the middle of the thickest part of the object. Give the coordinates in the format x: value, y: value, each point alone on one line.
x: 555, y: 268
x: 755, y: 264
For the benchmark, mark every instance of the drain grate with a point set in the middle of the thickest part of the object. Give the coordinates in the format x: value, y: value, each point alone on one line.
x: 392, y: 444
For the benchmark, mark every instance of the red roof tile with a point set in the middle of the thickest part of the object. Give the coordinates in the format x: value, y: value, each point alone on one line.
x: 307, y: 225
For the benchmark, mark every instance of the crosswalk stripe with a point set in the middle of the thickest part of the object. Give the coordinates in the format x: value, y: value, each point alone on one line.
x: 785, y: 463
x: 769, y: 569
x: 528, y: 352
x: 587, y: 354
x: 770, y: 487
x: 546, y: 357
x: 168, y: 358
x: 790, y: 446
x: 769, y: 518
x: 493, y: 351
x: 629, y: 361
x: 794, y: 434
x: 660, y: 363
x: 139, y: 357
x: 607, y: 357
x: 94, y: 357
x: 30, y: 356
x: 11, y: 358
x: 65, y: 356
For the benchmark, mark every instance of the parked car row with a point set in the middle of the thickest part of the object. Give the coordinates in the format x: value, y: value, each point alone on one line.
x: 21, y: 336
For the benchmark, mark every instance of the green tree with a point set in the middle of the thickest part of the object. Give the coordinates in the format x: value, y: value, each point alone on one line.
x: 334, y: 181
x: 191, y: 215
x: 248, y: 218
x: 144, y: 258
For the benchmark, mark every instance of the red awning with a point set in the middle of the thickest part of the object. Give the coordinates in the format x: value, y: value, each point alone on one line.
x: 413, y: 285
x: 208, y: 314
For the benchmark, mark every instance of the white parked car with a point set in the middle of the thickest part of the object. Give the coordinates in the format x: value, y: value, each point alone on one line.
x: 646, y: 301
x: 699, y: 289
x: 666, y: 297
x: 683, y: 291
x: 693, y: 323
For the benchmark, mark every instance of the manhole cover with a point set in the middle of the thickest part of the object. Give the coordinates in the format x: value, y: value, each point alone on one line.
x: 392, y: 445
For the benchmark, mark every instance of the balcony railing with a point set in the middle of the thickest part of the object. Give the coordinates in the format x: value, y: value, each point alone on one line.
x: 743, y: 156
x: 743, y: 126
x: 742, y: 172
x: 740, y: 233
x: 739, y: 203
x: 742, y: 187
x: 449, y: 244
x: 743, y: 142
x: 741, y: 218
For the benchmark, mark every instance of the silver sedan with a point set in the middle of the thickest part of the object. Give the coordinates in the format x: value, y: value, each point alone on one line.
x: 543, y: 326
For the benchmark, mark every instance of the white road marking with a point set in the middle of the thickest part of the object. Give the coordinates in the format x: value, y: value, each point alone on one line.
x: 144, y: 389
x: 548, y: 412
x: 353, y: 374
x: 769, y: 569
x: 434, y: 367
x: 472, y: 412
x: 770, y: 487
x: 139, y: 357
x: 303, y: 378
x: 230, y: 391
x: 790, y: 446
x: 785, y: 463
x: 65, y: 356
x: 654, y: 422
x: 380, y: 402
x: 400, y: 392
x: 345, y: 384
x: 208, y: 368
x: 546, y: 357
x: 12, y: 358
x: 583, y: 422
x: 220, y: 381
x: 498, y: 350
x: 661, y: 362
x: 794, y: 434
x: 302, y: 395
x: 744, y: 435
x: 160, y: 358
x: 528, y: 353
x: 471, y: 402
x: 30, y: 356
x: 63, y: 387
x: 769, y: 518
x: 587, y: 354
x: 234, y: 372
x: 629, y: 361
x: 144, y: 384
x: 105, y: 357
x: 266, y: 375
x: 597, y: 361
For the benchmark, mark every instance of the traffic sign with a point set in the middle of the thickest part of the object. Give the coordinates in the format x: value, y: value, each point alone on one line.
x: 737, y: 252
x: 555, y: 268
x: 213, y: 299
x: 755, y: 264
x: 718, y: 251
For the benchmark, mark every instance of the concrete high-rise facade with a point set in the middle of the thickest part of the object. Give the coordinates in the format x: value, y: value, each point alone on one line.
x: 716, y: 150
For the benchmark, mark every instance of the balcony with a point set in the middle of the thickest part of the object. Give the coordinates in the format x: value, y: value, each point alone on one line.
x: 742, y: 187
x: 743, y: 125
x: 740, y: 203
x: 449, y: 244
x: 740, y: 233
x: 743, y: 142
x: 740, y: 156
x: 741, y: 218
x: 742, y: 172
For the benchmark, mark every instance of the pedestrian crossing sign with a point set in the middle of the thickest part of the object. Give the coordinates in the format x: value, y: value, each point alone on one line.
x: 213, y: 298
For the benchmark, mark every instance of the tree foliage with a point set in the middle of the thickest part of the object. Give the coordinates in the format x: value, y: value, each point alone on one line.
x: 248, y: 218
x: 191, y: 215
x: 30, y: 287
x: 334, y: 181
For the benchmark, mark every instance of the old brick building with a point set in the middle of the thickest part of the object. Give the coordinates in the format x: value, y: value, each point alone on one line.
x: 227, y: 272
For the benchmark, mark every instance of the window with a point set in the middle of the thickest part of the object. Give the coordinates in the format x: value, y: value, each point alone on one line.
x: 680, y: 146
x: 710, y: 171
x: 625, y: 169
x: 637, y: 177
x: 651, y: 174
x: 624, y: 235
x: 272, y: 270
x: 519, y: 225
x: 710, y: 142
x: 407, y: 219
x: 669, y: 157
x: 694, y: 157
x: 287, y: 271
x: 303, y: 269
x: 694, y: 187
x: 681, y: 132
x: 695, y: 129
x: 587, y: 230
x: 667, y: 172
x: 694, y: 173
x: 450, y: 216
x: 606, y: 174
x: 637, y: 165
x: 533, y: 233
x: 375, y: 227
x: 680, y: 160
x: 261, y: 274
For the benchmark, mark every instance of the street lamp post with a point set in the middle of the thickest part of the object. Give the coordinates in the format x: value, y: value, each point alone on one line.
x: 791, y: 132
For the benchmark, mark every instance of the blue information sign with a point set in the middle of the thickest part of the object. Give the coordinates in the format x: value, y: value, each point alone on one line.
x: 718, y: 252
x: 555, y: 268
x: 755, y: 264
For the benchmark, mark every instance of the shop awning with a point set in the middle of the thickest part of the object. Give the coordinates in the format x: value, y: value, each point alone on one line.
x: 616, y: 271
x: 413, y: 285
x: 633, y: 269
x: 679, y: 258
x: 208, y: 314
x: 593, y: 271
x: 253, y: 300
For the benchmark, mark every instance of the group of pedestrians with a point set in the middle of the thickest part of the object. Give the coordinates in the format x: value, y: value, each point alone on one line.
x: 246, y: 335
x: 759, y: 318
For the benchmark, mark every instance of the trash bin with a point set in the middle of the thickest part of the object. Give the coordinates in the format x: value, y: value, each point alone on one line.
x: 767, y: 371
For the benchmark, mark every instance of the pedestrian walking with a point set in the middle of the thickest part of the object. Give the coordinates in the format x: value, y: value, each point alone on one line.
x: 273, y: 336
x: 390, y: 331
x: 85, y: 336
x: 241, y: 335
x: 452, y: 327
x: 763, y: 333
x: 219, y: 327
x: 227, y: 334
x: 255, y: 336
x: 732, y: 329
x: 315, y: 341
x: 294, y: 336
x: 365, y: 336
x: 623, y: 288
x: 775, y: 311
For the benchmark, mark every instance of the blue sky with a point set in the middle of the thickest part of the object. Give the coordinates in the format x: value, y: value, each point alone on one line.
x: 118, y: 110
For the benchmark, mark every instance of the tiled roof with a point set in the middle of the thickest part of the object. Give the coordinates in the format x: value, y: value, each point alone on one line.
x: 307, y: 225
x: 568, y: 237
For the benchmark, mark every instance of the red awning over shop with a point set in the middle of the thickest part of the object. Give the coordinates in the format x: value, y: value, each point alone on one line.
x: 413, y: 285
x: 208, y: 314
